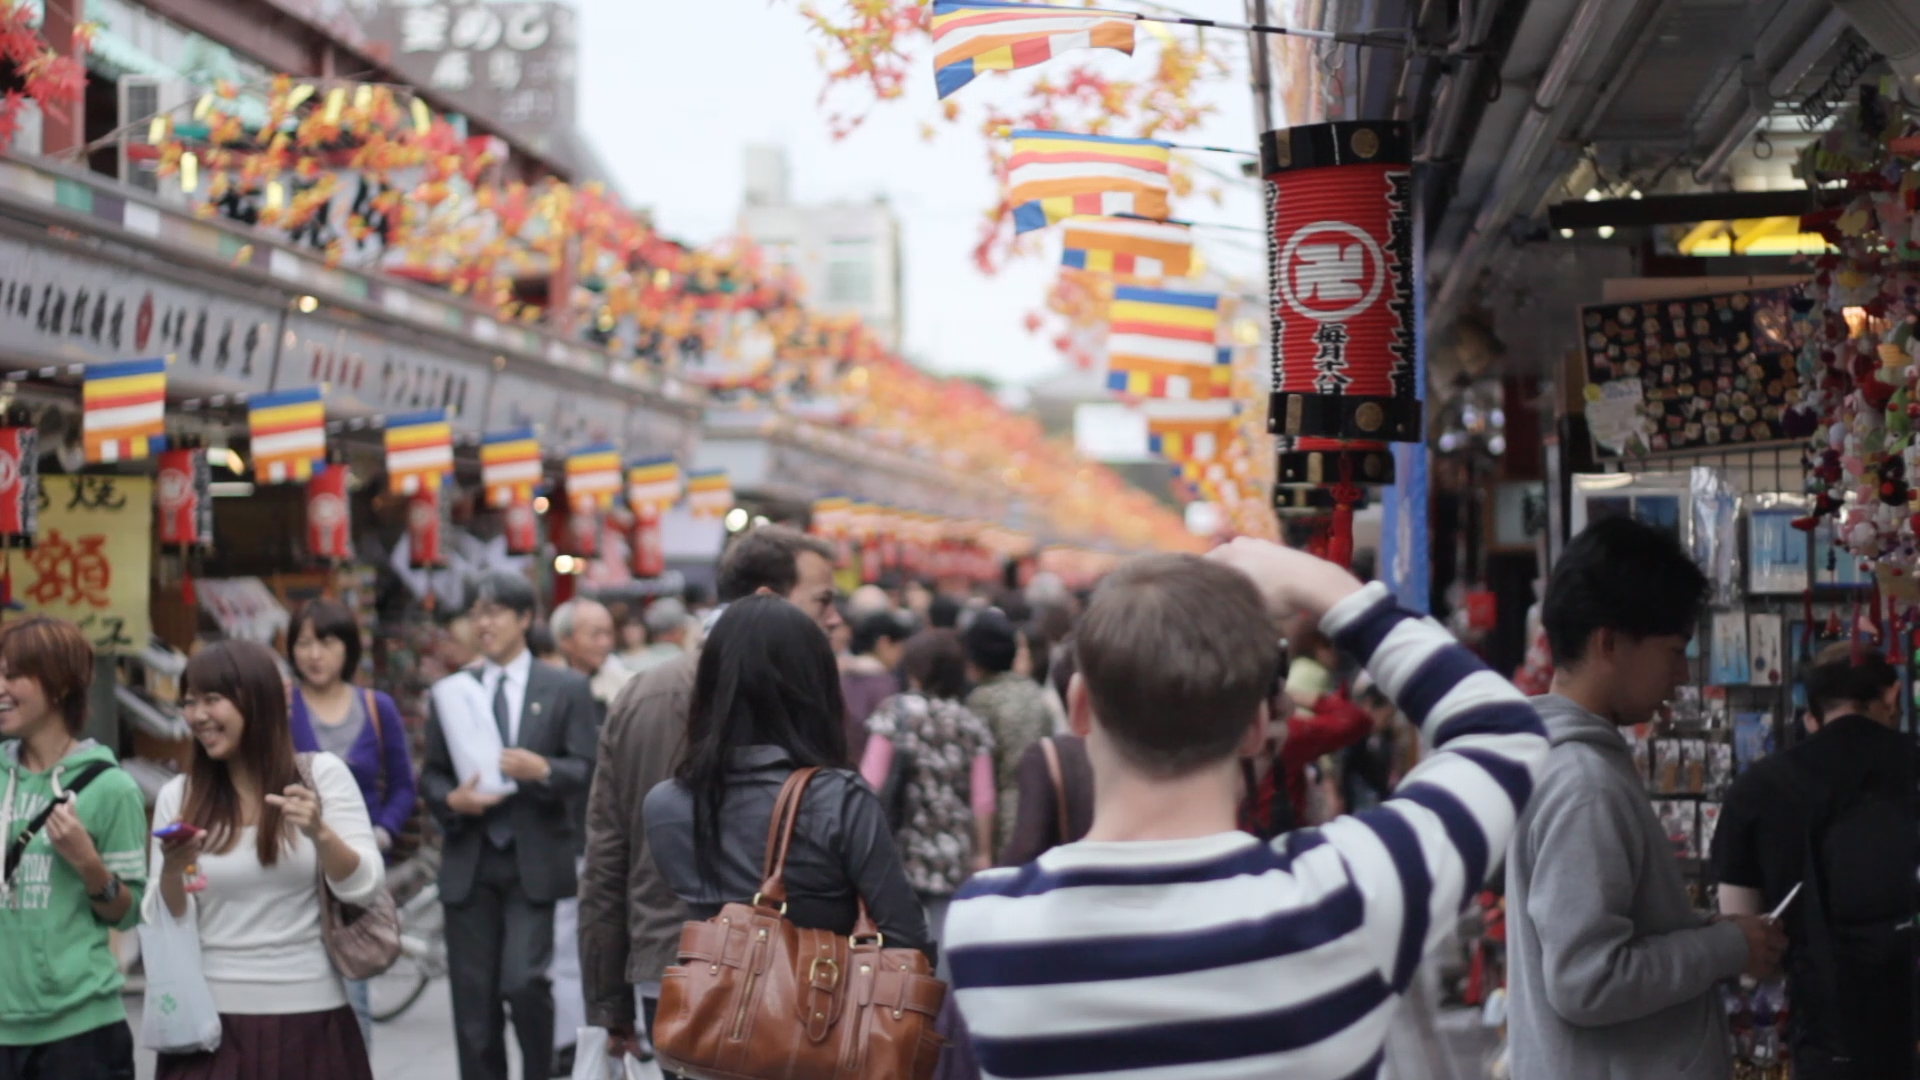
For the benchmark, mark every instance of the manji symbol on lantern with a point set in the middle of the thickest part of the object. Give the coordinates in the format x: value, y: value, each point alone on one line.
x: 1341, y: 254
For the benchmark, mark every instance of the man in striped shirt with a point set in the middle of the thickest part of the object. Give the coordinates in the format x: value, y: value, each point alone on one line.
x: 1168, y: 945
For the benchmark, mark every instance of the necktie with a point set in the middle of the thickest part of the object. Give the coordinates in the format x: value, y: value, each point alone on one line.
x: 499, y: 824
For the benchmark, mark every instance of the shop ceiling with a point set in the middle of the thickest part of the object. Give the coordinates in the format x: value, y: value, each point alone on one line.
x: 1651, y: 102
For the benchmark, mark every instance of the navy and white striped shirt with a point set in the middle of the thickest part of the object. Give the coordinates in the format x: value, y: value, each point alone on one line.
x: 1220, y: 958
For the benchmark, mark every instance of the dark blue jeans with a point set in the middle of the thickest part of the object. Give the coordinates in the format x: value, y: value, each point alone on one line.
x: 105, y: 1053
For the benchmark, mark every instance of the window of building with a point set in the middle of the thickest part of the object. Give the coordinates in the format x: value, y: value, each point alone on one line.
x: 850, y: 272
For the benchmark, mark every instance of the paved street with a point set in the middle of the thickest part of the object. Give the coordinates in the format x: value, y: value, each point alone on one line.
x: 419, y: 1045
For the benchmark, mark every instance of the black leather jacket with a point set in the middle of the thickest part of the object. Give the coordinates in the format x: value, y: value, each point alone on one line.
x: 841, y: 843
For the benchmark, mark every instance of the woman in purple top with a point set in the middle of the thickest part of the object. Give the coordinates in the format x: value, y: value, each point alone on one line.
x: 362, y: 727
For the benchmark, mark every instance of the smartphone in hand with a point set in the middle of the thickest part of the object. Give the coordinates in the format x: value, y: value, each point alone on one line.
x: 179, y: 830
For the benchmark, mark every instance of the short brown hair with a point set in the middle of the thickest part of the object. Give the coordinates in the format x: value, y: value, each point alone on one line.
x: 1178, y: 655
x: 1843, y: 674
x: 766, y: 558
x: 935, y: 661
x: 55, y: 654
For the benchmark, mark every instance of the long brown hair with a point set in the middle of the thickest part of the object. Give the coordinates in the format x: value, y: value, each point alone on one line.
x: 246, y: 674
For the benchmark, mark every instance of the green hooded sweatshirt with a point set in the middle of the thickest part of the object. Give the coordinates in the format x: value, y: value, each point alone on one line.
x: 57, y: 976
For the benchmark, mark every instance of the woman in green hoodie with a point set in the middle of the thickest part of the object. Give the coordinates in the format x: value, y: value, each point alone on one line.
x: 80, y: 874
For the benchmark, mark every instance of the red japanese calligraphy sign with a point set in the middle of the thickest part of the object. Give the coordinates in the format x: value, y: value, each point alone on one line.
x: 19, y: 485
x: 183, y: 495
x: 92, y: 558
x: 649, y: 555
x: 426, y: 527
x: 329, y: 515
x: 1340, y: 250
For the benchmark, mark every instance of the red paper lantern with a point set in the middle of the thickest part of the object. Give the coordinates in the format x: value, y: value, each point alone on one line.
x: 574, y: 533
x: 426, y: 527
x: 1341, y: 255
x: 329, y: 515
x: 649, y: 556
x: 19, y: 485
x: 522, y: 527
x: 185, y: 499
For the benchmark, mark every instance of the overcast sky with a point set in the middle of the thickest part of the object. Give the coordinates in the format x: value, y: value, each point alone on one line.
x: 671, y: 92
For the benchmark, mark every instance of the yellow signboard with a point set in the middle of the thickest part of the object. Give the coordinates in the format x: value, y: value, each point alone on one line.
x: 92, y: 557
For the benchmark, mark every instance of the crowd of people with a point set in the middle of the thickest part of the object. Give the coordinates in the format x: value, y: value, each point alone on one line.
x: 1207, y: 819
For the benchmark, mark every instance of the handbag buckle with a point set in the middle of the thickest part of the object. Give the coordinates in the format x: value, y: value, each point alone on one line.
x: 833, y: 973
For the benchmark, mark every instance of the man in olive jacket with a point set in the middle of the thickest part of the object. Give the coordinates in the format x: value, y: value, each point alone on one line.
x: 629, y: 918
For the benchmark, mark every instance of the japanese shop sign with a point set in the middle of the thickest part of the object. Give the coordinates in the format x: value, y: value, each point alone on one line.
x: 67, y: 308
x: 92, y: 556
x: 564, y: 416
x: 510, y: 63
x: 372, y: 375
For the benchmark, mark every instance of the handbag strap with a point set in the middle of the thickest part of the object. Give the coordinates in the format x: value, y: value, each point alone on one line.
x: 1052, y: 753
x: 786, y: 812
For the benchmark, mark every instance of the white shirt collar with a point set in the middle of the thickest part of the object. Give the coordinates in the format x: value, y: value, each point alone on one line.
x: 516, y: 669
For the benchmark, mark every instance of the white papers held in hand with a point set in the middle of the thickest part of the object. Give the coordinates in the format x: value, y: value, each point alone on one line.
x: 465, y: 713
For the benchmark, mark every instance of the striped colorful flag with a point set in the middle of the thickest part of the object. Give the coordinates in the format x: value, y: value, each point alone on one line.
x: 1140, y: 249
x: 510, y: 467
x: 1160, y: 345
x: 124, y: 408
x: 653, y: 485
x: 419, y: 451
x: 972, y: 36
x: 289, y: 434
x: 593, y: 476
x: 1184, y: 432
x: 709, y: 493
x: 1054, y: 175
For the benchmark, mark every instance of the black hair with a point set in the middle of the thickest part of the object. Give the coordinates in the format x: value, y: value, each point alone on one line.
x: 1839, y: 676
x: 329, y: 619
x: 766, y: 558
x: 510, y: 591
x: 767, y: 677
x: 1623, y: 576
x: 992, y: 642
x: 877, y: 627
x: 936, y: 662
x: 943, y: 612
x: 540, y: 640
x: 1039, y: 651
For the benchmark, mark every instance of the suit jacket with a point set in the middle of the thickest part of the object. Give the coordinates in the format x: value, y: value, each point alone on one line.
x: 558, y: 721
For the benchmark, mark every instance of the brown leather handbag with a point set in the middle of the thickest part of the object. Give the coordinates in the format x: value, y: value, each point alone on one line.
x: 757, y: 998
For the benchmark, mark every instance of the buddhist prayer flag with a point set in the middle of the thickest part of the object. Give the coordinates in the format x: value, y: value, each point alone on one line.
x: 289, y: 434
x: 593, y: 477
x: 1160, y: 345
x: 1054, y: 175
x: 124, y: 410
x: 972, y: 36
x: 419, y: 451
x: 1184, y: 432
x: 709, y: 493
x: 510, y: 467
x: 653, y: 486
x: 1130, y: 248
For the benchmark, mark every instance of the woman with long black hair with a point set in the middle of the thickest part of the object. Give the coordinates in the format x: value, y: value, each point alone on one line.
x: 264, y: 839
x: 766, y: 701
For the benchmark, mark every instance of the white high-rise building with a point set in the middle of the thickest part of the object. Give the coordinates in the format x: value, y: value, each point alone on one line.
x: 846, y: 253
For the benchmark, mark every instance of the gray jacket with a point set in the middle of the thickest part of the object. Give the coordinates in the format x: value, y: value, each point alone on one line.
x: 1611, y: 973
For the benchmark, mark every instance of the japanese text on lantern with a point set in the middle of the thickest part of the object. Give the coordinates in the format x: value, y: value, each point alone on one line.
x: 92, y: 557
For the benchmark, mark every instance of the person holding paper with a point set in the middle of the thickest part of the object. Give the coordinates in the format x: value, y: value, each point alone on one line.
x: 509, y: 744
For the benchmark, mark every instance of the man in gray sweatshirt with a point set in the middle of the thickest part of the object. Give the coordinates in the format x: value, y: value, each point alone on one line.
x: 1611, y: 972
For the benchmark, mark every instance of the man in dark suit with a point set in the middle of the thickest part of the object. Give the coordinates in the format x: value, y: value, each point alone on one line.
x: 506, y: 859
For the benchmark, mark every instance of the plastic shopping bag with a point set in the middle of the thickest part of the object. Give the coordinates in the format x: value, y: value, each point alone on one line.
x: 179, y: 1016
x: 592, y: 1062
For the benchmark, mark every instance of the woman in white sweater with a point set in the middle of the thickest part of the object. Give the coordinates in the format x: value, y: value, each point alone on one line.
x: 283, y: 1009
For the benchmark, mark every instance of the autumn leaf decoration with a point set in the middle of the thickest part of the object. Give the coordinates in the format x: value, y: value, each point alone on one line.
x: 47, y: 78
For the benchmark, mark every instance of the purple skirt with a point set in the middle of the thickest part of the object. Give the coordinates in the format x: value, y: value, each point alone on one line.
x: 296, y: 1046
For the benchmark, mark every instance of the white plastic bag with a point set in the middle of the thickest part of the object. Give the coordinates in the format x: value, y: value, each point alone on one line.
x: 592, y: 1062
x: 179, y: 1016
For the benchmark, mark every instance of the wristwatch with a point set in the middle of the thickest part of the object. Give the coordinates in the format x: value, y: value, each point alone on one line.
x: 108, y: 892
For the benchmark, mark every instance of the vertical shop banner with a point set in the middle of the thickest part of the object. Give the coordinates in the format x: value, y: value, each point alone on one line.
x: 186, y: 498
x: 649, y: 556
x: 427, y: 526
x: 92, y: 558
x: 329, y: 515
x: 1405, y: 564
x: 19, y: 485
x: 522, y: 528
